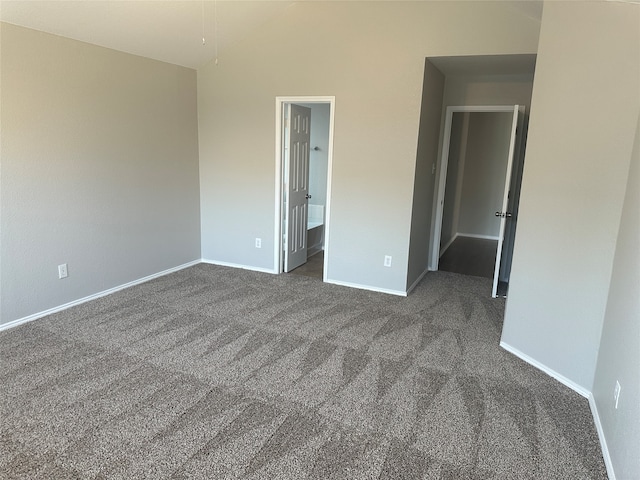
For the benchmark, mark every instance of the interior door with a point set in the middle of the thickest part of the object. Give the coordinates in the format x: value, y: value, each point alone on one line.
x: 297, y: 144
x: 504, y: 213
x: 514, y: 201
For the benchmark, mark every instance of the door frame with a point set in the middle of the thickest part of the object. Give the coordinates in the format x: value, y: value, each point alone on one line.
x: 278, y: 244
x: 441, y: 177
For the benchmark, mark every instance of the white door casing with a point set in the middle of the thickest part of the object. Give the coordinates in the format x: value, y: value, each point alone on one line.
x: 297, y: 148
x: 504, y: 214
x: 281, y: 103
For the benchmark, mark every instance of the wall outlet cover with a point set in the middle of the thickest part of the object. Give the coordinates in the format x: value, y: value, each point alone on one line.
x: 62, y: 271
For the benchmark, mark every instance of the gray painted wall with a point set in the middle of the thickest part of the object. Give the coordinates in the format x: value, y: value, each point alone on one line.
x: 484, y: 173
x: 319, y: 159
x: 99, y: 170
x: 619, y: 354
x: 582, y: 125
x: 424, y: 181
x: 453, y: 183
x: 376, y: 75
x: 513, y: 89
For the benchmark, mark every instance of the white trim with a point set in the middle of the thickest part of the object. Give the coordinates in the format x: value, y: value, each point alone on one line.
x: 414, y: 284
x: 444, y: 249
x: 313, y: 250
x: 482, y: 108
x: 238, y: 265
x: 367, y: 287
x: 468, y: 235
x: 473, y: 235
x: 95, y: 296
x: 280, y: 101
x: 603, y: 441
x: 552, y: 373
x: 578, y: 389
x: 327, y: 206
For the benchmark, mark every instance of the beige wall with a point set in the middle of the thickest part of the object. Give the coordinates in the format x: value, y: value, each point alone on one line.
x: 371, y: 56
x: 319, y: 159
x: 99, y: 169
x: 585, y: 104
x: 424, y: 181
x: 514, y: 89
x: 484, y: 173
x: 619, y: 352
x: 455, y: 175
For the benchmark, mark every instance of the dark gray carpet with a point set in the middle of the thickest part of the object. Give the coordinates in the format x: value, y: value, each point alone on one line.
x: 220, y: 373
x: 470, y: 256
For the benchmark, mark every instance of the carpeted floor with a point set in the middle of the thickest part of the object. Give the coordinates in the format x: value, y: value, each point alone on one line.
x: 218, y: 373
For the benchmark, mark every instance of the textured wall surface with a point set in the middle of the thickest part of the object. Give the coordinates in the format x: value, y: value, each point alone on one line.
x: 584, y: 110
x: 371, y: 56
x: 99, y: 169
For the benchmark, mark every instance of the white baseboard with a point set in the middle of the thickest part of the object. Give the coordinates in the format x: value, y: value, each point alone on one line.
x: 314, y: 249
x: 578, y: 389
x: 444, y: 249
x: 414, y: 284
x: 603, y: 441
x: 552, y: 373
x: 367, y: 287
x: 473, y: 235
x: 104, y: 293
x: 468, y: 235
x: 237, y: 265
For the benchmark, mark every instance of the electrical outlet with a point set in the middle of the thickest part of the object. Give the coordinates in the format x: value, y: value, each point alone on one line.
x: 62, y: 271
x: 387, y: 260
x: 258, y: 243
x: 616, y: 393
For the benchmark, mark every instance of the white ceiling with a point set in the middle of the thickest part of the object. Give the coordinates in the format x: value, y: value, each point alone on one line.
x: 166, y: 30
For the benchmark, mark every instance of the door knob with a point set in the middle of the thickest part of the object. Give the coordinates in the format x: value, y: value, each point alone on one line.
x: 307, y: 196
x: 504, y: 214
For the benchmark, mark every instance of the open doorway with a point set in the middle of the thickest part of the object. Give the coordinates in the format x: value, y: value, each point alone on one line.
x: 478, y: 192
x: 304, y: 150
x: 494, y: 80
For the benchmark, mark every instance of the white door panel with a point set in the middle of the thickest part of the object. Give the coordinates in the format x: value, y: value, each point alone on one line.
x: 297, y: 141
